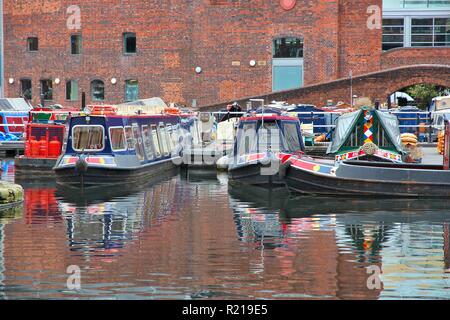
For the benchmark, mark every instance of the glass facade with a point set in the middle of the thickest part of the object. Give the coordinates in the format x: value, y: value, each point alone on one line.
x: 393, y: 33
x: 416, y: 4
x: 416, y: 32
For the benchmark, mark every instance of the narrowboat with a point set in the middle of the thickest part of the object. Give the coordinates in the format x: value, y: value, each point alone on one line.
x: 117, y: 149
x: 305, y: 175
x: 367, y: 134
x: 262, y: 142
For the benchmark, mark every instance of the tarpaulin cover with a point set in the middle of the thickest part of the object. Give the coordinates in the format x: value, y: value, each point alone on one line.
x: 344, y: 127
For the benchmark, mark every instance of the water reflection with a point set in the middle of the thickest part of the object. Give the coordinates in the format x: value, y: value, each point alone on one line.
x: 190, y: 236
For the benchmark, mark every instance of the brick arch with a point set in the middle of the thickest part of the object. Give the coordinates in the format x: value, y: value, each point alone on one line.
x: 377, y: 85
x: 415, y: 81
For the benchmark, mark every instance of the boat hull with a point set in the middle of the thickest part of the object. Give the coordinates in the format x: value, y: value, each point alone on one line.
x: 353, y: 180
x: 251, y: 174
x: 105, y: 176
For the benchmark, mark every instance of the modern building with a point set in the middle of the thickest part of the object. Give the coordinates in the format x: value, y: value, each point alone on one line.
x: 204, y: 52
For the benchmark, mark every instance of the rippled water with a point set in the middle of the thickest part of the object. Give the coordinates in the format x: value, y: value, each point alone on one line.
x: 193, y: 237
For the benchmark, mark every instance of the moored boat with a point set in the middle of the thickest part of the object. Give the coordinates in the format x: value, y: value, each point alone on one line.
x: 263, y: 142
x: 350, y: 178
x: 116, y: 149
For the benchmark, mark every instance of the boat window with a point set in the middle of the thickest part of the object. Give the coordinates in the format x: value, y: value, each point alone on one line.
x: 269, y: 137
x: 88, y: 138
x: 117, y: 137
x: 129, y: 136
x: 147, y: 136
x: 291, y: 136
x: 137, y: 141
x: 247, y: 139
x: 174, y: 135
x: 170, y: 144
x: 163, y: 139
x: 156, y: 141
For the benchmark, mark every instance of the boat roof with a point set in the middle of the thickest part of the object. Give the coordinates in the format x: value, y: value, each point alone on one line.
x: 345, y: 125
x: 269, y: 117
x: 15, y: 104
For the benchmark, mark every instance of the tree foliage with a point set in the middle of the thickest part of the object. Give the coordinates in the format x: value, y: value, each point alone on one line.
x: 423, y: 94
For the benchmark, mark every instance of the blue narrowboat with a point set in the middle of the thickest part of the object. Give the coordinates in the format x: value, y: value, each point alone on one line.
x: 263, y: 142
x: 118, y: 149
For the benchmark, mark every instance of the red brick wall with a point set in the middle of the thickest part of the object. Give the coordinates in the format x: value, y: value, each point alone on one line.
x: 159, y: 65
x: 409, y: 56
x: 359, y: 46
x: 174, y: 37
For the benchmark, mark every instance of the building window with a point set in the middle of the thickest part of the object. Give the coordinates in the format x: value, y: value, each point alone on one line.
x: 47, y: 89
x: 288, y: 48
x: 97, y: 90
x: 33, y: 44
x: 393, y: 33
x: 26, y: 89
x: 430, y: 32
x: 416, y: 4
x: 131, y: 90
x: 416, y: 32
x: 72, y: 90
x: 129, y: 42
x: 287, y: 64
x: 75, y: 44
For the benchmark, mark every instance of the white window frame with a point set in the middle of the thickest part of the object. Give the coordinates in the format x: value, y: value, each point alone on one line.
x: 124, y: 136
x: 158, y: 153
x: 130, y: 148
x: 408, y: 15
x: 152, y: 148
x: 163, y: 138
x: 90, y: 125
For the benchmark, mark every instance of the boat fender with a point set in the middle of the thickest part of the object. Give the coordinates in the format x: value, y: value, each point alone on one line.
x: 283, y: 169
x: 222, y: 163
x: 81, y: 165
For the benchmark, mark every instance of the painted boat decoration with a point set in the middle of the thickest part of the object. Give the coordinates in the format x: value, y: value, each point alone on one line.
x: 118, y: 149
x: 263, y: 141
x: 367, y: 134
x: 305, y: 175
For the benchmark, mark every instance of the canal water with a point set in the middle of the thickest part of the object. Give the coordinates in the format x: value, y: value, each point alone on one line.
x: 191, y: 236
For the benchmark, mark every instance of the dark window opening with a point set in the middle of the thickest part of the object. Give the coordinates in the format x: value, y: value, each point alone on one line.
x: 72, y: 90
x: 129, y: 42
x: 33, y: 44
x: 47, y: 89
x: 75, y: 44
x: 131, y: 90
x: 288, y: 48
x: 26, y: 89
x: 97, y: 90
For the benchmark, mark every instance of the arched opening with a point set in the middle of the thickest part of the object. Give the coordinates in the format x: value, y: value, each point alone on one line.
x: 415, y: 105
x: 420, y: 95
x: 287, y: 63
x: 97, y: 90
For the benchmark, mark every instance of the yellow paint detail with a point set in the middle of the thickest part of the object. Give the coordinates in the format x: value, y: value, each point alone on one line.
x: 316, y: 168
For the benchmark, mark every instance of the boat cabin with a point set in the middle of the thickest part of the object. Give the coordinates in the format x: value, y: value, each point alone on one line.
x: 262, y: 133
x: 367, y: 134
x: 139, y: 138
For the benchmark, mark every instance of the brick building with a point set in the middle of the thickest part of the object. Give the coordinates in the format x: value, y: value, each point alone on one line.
x: 203, y: 52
